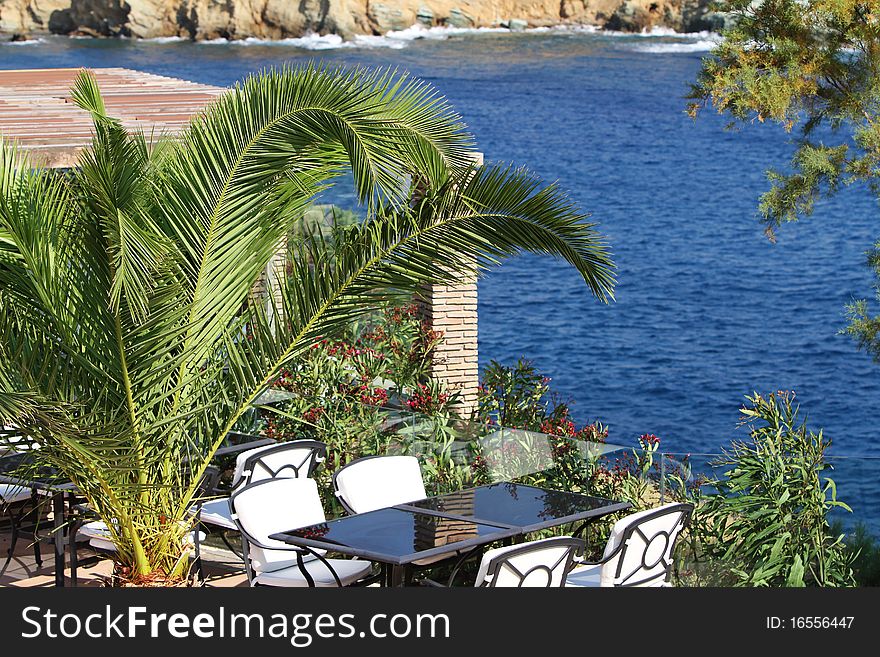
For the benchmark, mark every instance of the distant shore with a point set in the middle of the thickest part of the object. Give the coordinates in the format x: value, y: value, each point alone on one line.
x: 275, y: 20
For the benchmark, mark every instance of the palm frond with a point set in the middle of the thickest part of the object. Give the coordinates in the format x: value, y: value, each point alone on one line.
x: 131, y: 340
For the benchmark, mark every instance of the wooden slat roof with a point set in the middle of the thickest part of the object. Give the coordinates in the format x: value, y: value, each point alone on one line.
x: 37, y: 113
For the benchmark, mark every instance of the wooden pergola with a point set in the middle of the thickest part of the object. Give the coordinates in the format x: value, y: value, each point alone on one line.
x: 37, y: 113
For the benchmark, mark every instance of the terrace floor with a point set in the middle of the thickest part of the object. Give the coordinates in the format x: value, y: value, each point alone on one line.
x: 222, y: 568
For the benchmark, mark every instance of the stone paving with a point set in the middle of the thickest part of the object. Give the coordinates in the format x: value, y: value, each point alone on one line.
x: 222, y: 568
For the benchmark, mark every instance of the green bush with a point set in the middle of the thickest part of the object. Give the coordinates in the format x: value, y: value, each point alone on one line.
x: 368, y: 393
x: 766, y: 519
x: 864, y: 551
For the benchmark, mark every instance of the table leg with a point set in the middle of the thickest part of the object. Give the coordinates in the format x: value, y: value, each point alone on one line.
x: 398, y: 576
x: 71, y: 533
x: 58, y: 512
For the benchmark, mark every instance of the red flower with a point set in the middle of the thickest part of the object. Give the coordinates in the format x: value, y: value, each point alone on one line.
x: 313, y: 414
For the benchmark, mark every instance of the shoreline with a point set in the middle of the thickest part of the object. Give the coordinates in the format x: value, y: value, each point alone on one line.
x: 393, y: 39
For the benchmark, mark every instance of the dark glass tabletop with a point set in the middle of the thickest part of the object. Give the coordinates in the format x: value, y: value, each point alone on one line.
x: 516, y: 505
x: 25, y: 469
x: 396, y: 535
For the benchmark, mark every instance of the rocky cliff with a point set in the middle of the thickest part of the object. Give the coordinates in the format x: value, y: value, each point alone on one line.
x: 278, y: 19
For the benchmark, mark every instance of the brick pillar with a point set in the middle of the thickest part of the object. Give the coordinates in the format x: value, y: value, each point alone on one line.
x: 268, y: 286
x: 276, y: 271
x: 452, y: 310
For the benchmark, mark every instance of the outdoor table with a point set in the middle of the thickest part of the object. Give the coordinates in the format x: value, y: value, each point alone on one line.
x: 48, y: 481
x: 454, y: 523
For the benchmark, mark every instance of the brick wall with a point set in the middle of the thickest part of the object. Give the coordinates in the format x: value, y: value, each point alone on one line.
x: 452, y: 310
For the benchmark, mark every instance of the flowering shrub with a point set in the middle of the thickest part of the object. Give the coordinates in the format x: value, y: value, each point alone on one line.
x: 519, y: 397
x: 428, y: 398
x: 344, y: 392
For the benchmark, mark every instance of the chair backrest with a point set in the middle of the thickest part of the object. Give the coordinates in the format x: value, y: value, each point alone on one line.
x: 640, y: 547
x: 376, y: 482
x: 11, y: 440
x: 297, y: 458
x: 544, y: 563
x: 265, y: 507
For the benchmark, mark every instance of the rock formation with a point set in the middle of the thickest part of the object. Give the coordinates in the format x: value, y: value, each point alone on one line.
x: 278, y: 19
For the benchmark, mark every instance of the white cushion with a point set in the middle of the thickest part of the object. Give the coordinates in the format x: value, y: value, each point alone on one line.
x: 549, y: 557
x: 380, y: 482
x: 348, y: 571
x: 584, y: 576
x: 100, y: 537
x: 274, y: 506
x: 216, y: 512
x: 632, y: 557
x: 12, y: 493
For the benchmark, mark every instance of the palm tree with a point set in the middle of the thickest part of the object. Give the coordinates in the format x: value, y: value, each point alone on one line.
x: 130, y: 340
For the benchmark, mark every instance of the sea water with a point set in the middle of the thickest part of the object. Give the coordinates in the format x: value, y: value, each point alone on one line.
x: 707, y: 310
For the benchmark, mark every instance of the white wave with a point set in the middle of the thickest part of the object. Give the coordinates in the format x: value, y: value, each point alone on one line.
x: 662, y: 32
x: 693, y: 46
x: 401, y: 38
x: 307, y: 42
x: 165, y: 39
x: 398, y: 39
x: 25, y: 42
x: 394, y: 40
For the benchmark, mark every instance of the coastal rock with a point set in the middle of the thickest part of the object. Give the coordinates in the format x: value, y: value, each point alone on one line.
x: 644, y: 15
x: 386, y: 18
x: 278, y: 19
x: 680, y: 15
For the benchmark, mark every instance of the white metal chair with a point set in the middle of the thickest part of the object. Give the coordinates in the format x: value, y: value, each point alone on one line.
x: 291, y: 459
x: 639, y: 551
x: 266, y: 507
x: 376, y: 482
x: 297, y: 458
x: 544, y: 564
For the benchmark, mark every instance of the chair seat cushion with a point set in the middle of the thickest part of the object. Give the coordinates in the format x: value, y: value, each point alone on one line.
x: 12, y: 493
x: 584, y: 576
x: 100, y: 537
x: 216, y: 512
x: 348, y: 570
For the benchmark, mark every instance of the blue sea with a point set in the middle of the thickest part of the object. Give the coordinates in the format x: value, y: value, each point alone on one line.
x: 707, y: 309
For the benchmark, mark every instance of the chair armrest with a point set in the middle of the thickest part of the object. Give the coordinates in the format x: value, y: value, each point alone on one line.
x: 299, y: 550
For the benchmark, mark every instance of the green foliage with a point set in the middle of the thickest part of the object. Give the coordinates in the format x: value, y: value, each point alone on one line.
x: 533, y: 439
x: 519, y: 397
x: 806, y: 65
x: 864, y: 550
x: 766, y: 520
x: 130, y: 339
x: 513, y: 396
x: 355, y: 394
